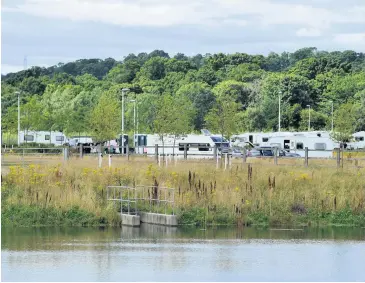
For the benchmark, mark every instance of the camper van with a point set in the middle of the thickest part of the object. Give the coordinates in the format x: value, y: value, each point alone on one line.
x: 44, y: 137
x: 318, y: 146
x: 197, y: 145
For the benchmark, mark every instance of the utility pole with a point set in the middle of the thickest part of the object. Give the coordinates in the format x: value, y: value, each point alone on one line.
x: 279, y: 111
x: 332, y: 117
x: 18, y: 93
x: 124, y: 91
x: 309, y: 117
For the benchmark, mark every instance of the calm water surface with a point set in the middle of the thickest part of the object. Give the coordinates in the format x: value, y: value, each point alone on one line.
x: 154, y: 253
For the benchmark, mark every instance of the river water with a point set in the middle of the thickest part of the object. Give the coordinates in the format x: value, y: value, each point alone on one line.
x: 155, y: 253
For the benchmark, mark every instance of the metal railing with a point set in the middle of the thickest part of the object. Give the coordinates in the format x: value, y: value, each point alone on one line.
x: 139, y: 198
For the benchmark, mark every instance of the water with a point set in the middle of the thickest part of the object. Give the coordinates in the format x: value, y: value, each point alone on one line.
x: 154, y: 253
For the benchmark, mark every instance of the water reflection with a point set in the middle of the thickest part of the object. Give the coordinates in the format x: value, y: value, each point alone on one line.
x: 158, y: 253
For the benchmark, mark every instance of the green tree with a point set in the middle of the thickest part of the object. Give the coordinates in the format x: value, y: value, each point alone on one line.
x: 223, y: 118
x: 105, y: 118
x: 344, y: 122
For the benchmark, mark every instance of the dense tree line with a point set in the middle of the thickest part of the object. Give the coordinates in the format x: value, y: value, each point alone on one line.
x: 226, y: 93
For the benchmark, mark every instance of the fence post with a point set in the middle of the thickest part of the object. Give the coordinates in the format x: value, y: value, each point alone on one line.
x: 215, y: 151
x: 65, y: 153
x: 81, y: 150
x: 185, y: 151
x: 110, y: 160
x: 338, y: 157
x: 100, y: 159
x: 276, y: 156
x: 217, y: 155
x: 127, y: 149
x: 244, y: 157
x: 156, y: 152
x: 225, y: 161
x: 306, y: 157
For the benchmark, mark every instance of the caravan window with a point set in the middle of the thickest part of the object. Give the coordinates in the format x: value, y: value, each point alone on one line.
x: 359, y: 138
x: 319, y: 146
x: 265, y: 139
x: 59, y: 138
x: 29, y: 138
x: 47, y: 137
x: 181, y: 146
x: 300, y: 145
x: 204, y: 147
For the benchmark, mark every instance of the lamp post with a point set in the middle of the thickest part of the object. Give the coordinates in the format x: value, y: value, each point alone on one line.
x: 332, y: 117
x: 279, y: 111
x: 18, y: 93
x: 134, y: 121
x: 309, y: 117
x: 124, y: 91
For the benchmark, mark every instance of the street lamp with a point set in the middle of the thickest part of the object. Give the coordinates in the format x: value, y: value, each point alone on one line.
x: 309, y: 117
x: 332, y: 117
x: 279, y: 111
x: 124, y: 91
x: 18, y: 93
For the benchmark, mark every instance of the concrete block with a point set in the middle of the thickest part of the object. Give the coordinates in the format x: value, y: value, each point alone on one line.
x: 131, y: 220
x: 159, y: 219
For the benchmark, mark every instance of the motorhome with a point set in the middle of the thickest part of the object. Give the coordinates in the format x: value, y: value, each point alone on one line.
x: 318, y: 146
x: 44, y: 137
x: 196, y: 145
x: 358, y: 141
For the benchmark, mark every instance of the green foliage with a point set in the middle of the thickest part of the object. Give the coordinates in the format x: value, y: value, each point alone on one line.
x: 344, y: 120
x: 69, y: 92
x: 105, y: 118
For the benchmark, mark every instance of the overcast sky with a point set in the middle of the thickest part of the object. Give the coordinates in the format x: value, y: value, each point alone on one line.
x: 53, y: 31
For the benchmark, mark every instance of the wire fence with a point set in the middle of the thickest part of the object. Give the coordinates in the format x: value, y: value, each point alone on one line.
x: 172, y: 155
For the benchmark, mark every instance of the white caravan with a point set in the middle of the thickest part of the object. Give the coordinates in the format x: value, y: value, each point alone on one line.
x: 317, y: 146
x: 44, y: 137
x: 260, y: 139
x: 358, y: 141
x: 197, y: 145
x: 77, y: 140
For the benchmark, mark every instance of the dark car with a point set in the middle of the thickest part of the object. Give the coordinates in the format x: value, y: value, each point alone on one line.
x: 258, y: 152
x: 285, y: 153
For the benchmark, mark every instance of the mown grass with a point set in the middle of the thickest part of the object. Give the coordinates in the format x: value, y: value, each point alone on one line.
x: 74, y: 193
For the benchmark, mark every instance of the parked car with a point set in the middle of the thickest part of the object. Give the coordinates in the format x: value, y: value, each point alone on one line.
x: 285, y: 153
x: 258, y: 152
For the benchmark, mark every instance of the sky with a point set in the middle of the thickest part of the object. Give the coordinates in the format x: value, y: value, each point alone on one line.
x: 47, y: 32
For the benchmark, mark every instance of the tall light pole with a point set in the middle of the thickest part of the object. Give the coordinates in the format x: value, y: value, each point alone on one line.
x: 279, y: 111
x: 309, y: 117
x: 332, y: 118
x: 124, y: 91
x: 134, y: 121
x: 18, y: 93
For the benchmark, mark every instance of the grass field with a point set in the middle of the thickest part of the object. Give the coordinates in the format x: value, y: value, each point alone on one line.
x: 47, y: 191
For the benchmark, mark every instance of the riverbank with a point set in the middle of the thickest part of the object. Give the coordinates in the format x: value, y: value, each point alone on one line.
x: 74, y: 194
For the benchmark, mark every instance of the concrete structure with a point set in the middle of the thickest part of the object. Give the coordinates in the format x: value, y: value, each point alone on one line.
x: 159, y: 219
x: 130, y: 220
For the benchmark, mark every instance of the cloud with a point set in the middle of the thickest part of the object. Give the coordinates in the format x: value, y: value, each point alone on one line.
x: 308, y: 32
x: 357, y: 39
x: 162, y: 13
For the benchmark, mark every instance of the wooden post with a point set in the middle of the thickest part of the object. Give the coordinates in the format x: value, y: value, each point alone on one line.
x: 276, y: 156
x: 65, y: 153
x: 338, y: 157
x: 244, y: 156
x: 127, y: 151
x: 156, y: 152
x: 185, y: 151
x: 225, y: 161
x: 100, y: 159
x: 110, y: 160
x: 81, y: 150
x: 306, y: 157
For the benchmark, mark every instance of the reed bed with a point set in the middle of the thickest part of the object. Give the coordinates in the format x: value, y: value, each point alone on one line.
x: 257, y: 193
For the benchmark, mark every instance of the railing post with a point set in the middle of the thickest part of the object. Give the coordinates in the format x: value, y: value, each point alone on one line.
x: 156, y: 152
x: 276, y: 156
x: 185, y: 151
x: 127, y: 149
x: 306, y: 157
x: 81, y: 150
